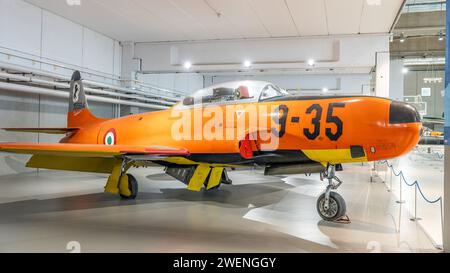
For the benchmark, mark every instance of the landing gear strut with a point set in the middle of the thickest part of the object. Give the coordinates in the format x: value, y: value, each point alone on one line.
x: 330, y: 205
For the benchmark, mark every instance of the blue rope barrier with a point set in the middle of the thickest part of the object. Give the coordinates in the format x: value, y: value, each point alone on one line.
x: 439, y: 155
x: 415, y: 183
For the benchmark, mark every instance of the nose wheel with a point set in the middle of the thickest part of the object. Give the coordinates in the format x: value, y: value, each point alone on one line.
x: 330, y: 205
x: 335, y: 209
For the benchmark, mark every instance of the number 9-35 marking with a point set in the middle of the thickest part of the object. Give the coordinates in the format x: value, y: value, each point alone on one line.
x: 315, y: 110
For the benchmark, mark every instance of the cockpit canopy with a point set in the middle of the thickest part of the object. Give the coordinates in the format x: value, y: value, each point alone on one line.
x: 234, y: 92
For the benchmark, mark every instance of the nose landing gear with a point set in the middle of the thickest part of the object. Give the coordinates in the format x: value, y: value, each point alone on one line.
x: 330, y: 205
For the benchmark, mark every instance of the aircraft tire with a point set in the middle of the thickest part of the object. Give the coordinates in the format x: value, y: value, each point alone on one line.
x: 216, y: 188
x: 337, y: 207
x: 133, y: 186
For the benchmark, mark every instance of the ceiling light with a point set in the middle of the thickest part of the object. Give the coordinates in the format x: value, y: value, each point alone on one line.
x: 424, y: 61
x: 432, y: 80
x: 325, y: 89
x: 405, y: 70
x: 73, y: 2
x: 311, y: 62
x: 402, y: 38
x: 373, y: 2
x: 187, y: 65
x: 247, y: 63
x: 441, y: 36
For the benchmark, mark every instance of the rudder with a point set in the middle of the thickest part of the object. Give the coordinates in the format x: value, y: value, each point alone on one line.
x: 79, y: 114
x: 77, y: 99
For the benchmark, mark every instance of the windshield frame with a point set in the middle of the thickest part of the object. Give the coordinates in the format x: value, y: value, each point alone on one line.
x: 259, y: 85
x: 283, y: 92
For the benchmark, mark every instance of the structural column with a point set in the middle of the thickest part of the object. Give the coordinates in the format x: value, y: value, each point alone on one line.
x: 382, y: 74
x: 129, y: 67
x: 396, y: 80
x: 446, y: 226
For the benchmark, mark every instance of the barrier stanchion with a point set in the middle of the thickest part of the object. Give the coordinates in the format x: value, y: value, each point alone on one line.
x: 400, y: 201
x: 415, y: 218
x: 417, y: 189
x: 390, y: 181
x: 429, y: 150
x: 372, y: 172
x: 441, y: 247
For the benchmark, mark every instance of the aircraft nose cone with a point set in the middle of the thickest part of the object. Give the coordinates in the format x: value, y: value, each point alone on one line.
x: 400, y: 112
x: 405, y: 126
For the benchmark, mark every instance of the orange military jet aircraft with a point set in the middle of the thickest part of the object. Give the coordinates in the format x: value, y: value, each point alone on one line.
x: 228, y: 126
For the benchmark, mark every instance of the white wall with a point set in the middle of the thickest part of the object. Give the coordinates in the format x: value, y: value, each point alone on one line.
x: 18, y: 18
x: 355, y: 84
x: 342, y: 63
x: 25, y: 110
x: 354, y: 53
x: 31, y: 32
x: 183, y: 82
x: 382, y: 74
x: 396, y: 79
x: 307, y: 84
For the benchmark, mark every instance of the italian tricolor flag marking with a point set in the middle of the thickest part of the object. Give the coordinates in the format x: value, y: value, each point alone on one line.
x: 110, y: 137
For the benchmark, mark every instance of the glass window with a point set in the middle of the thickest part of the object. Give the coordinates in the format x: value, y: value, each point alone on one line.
x: 271, y: 91
x: 225, y: 93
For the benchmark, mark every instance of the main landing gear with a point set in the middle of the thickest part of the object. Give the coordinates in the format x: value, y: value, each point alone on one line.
x: 132, y: 187
x: 121, y: 183
x: 330, y: 205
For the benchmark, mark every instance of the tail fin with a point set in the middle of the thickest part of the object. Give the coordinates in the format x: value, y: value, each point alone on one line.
x: 77, y: 99
x: 79, y: 114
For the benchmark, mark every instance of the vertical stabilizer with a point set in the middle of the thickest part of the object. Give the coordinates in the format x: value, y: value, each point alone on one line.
x: 79, y: 114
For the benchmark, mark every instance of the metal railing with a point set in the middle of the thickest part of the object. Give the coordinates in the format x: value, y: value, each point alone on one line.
x: 65, y: 85
x: 424, y: 6
x: 58, y: 66
x: 110, y: 89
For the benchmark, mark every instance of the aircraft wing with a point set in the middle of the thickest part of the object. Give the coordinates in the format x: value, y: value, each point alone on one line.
x: 89, y: 150
x: 55, y: 131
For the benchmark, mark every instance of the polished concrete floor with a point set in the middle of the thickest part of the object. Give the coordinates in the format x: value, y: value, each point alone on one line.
x: 49, y: 211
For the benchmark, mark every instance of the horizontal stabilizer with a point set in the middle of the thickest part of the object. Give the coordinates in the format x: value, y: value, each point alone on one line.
x: 56, y: 131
